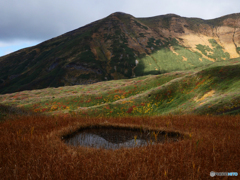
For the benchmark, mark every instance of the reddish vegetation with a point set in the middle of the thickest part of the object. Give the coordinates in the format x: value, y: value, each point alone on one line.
x: 130, y: 109
x: 31, y: 148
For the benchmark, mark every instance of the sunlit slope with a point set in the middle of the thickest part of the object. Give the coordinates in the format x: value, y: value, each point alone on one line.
x: 121, y: 46
x: 210, y: 90
x: 173, y: 56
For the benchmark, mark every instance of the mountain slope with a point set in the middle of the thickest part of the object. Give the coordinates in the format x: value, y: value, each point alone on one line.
x: 213, y: 89
x: 121, y: 46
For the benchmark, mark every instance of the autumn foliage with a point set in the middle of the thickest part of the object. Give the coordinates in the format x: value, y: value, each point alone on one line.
x: 31, y: 148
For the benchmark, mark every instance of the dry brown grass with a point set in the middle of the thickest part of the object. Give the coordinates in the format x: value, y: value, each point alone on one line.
x: 31, y: 148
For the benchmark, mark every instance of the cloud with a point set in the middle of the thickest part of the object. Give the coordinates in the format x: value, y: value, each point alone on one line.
x: 40, y: 20
x: 44, y: 19
x: 30, y: 19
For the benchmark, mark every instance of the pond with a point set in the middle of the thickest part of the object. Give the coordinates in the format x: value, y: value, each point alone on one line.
x: 116, y: 137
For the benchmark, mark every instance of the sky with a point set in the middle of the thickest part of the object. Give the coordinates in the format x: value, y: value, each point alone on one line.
x: 25, y: 23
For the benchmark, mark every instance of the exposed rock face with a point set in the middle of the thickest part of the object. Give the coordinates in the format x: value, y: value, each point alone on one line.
x: 121, y: 46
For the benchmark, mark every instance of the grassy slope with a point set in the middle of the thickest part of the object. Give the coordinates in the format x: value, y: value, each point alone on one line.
x: 163, y: 59
x: 207, y: 90
x: 106, y: 48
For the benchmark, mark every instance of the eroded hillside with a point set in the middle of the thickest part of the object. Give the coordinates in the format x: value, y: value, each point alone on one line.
x: 121, y: 46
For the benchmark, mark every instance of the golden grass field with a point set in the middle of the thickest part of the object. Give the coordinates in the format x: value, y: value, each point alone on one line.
x: 31, y: 148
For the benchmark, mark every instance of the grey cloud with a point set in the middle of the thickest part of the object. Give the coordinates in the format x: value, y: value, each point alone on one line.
x: 44, y: 19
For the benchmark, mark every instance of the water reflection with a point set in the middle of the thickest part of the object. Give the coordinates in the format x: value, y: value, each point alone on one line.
x: 109, y: 138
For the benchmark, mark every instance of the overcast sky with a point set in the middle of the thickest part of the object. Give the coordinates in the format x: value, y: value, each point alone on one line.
x: 25, y: 23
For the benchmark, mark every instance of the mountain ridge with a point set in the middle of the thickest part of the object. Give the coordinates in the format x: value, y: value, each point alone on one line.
x: 121, y: 46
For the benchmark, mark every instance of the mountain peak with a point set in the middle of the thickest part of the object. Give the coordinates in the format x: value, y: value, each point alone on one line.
x: 118, y: 13
x: 121, y: 46
x: 171, y: 15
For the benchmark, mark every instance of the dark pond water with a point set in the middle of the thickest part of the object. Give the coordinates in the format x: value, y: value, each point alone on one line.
x: 115, y: 138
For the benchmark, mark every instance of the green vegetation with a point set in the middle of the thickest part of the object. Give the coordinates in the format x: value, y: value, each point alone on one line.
x: 238, y: 50
x: 215, y: 53
x: 204, y: 49
x: 164, y: 59
x: 218, y: 53
x: 211, y: 90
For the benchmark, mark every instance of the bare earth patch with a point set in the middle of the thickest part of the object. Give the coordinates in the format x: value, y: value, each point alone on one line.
x: 208, y: 94
x: 184, y: 58
x: 172, y: 49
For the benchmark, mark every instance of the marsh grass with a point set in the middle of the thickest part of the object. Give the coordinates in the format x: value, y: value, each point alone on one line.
x: 31, y: 148
x: 31, y: 145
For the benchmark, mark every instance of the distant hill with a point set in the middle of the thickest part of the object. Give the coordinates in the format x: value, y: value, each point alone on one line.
x: 121, y: 46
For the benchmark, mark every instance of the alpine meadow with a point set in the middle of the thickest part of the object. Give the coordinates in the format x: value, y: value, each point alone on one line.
x: 165, y: 73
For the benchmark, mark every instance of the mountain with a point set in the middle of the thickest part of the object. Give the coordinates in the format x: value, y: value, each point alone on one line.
x: 121, y: 46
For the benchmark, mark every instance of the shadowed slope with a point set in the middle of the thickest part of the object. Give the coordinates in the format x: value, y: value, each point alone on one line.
x: 121, y: 46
